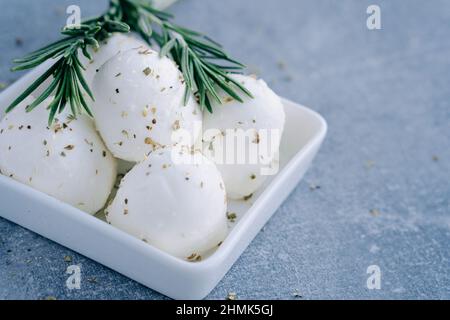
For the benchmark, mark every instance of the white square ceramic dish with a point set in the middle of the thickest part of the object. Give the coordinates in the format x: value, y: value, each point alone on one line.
x: 92, y: 237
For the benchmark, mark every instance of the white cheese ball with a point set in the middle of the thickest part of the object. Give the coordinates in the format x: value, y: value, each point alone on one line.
x: 264, y: 112
x: 116, y: 43
x: 67, y: 160
x: 178, y: 207
x: 139, y: 104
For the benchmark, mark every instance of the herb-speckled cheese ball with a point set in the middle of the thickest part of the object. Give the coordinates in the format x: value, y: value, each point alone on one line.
x: 178, y: 207
x: 67, y: 160
x: 139, y: 104
x: 264, y: 111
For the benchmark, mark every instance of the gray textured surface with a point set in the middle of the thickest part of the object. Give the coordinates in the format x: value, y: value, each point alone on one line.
x: 386, y: 96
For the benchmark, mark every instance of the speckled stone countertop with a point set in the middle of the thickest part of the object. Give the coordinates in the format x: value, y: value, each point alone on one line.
x: 382, y: 178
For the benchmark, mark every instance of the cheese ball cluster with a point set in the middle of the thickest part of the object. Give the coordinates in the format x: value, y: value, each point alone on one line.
x: 174, y: 197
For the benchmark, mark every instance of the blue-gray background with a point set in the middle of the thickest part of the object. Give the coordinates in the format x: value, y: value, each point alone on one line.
x: 383, y: 172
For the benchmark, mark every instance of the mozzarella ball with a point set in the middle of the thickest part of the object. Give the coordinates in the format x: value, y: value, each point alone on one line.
x: 173, y: 203
x: 67, y: 160
x: 261, y: 121
x: 139, y: 104
x: 118, y: 42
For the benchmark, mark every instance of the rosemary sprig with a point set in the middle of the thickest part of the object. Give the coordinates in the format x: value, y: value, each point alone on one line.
x: 194, y: 53
x: 68, y: 84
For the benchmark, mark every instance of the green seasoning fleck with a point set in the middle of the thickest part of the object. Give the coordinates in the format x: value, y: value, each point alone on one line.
x: 232, y: 296
x: 231, y: 216
x: 147, y: 71
x: 246, y: 198
x: 50, y: 298
x: 176, y: 125
x: 69, y: 147
x: 195, y: 257
x: 92, y: 279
